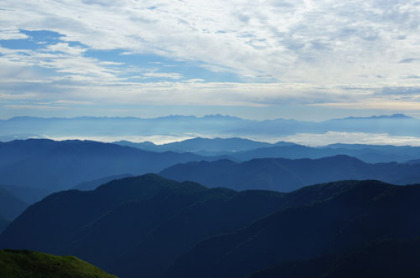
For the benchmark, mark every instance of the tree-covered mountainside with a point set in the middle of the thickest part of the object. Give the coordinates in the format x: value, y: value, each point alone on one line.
x: 286, y: 175
x: 30, y: 264
x: 154, y: 227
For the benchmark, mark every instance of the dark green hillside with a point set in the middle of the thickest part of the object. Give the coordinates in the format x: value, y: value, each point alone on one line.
x: 385, y: 259
x: 365, y: 211
x: 30, y: 264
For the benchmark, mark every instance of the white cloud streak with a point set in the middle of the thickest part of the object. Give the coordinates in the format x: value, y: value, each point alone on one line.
x: 332, y: 137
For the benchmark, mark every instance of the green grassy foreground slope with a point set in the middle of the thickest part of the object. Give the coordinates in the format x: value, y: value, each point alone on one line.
x: 24, y: 263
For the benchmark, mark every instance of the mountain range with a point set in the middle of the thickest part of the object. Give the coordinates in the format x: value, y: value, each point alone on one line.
x: 47, y: 166
x: 210, y: 125
x: 239, y: 149
x: 31, y: 169
x: 149, y: 226
x: 286, y: 175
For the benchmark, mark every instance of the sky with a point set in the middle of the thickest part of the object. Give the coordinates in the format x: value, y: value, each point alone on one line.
x: 306, y: 60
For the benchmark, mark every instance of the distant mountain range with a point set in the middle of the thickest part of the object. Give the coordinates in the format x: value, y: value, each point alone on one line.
x: 149, y: 226
x: 286, y: 175
x: 240, y: 149
x: 212, y: 125
x: 31, y: 169
x: 203, y: 146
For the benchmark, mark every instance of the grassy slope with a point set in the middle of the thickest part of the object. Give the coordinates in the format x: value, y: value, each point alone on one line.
x: 23, y: 263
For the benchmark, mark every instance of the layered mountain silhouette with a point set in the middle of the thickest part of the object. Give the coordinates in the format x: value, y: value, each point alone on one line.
x: 93, y: 184
x: 149, y: 226
x: 50, y: 166
x: 29, y: 195
x: 239, y: 149
x: 10, y: 205
x: 367, y: 153
x: 202, y: 146
x: 364, y: 212
x: 289, y: 174
x: 24, y: 263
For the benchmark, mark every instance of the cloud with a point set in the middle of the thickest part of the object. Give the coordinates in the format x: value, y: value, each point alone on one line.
x: 33, y: 107
x: 12, y: 34
x: 333, y: 137
x: 170, y: 75
x: 268, y: 53
x: 245, y: 37
x: 408, y: 60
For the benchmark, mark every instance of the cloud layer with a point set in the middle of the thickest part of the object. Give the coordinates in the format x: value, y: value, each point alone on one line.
x: 329, y: 54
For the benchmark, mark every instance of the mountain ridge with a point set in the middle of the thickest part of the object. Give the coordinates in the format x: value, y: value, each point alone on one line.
x: 157, y: 227
x: 286, y: 175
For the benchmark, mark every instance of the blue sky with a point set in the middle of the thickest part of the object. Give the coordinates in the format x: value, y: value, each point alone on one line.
x: 308, y: 60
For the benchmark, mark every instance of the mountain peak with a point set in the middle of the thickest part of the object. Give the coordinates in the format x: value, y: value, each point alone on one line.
x: 393, y: 116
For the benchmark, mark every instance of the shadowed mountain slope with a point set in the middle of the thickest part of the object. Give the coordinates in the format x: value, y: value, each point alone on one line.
x: 366, y: 211
x: 142, y: 224
x: 154, y: 227
x: 3, y: 223
x: 386, y: 259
